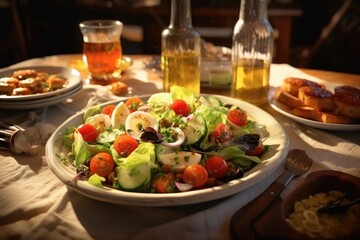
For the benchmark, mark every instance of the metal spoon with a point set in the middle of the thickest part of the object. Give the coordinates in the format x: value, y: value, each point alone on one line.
x: 337, y: 207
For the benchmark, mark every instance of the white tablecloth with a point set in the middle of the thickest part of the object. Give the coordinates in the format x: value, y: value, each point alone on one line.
x: 34, y: 204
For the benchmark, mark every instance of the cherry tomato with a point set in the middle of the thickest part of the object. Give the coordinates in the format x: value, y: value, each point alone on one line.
x: 88, y: 132
x: 180, y: 107
x: 125, y: 144
x: 108, y: 110
x: 162, y: 182
x: 216, y: 167
x: 102, y: 164
x: 133, y: 103
x: 221, y: 133
x: 195, y: 175
x: 257, y: 151
x: 237, y: 116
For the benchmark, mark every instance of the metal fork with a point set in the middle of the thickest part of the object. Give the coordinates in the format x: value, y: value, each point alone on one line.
x: 297, y: 163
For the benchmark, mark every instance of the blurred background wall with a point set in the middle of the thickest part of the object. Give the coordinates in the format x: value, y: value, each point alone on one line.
x: 321, y: 34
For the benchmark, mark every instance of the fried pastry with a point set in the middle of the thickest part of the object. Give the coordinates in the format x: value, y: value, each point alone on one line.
x: 32, y: 82
x: 22, y: 91
x: 56, y: 82
x: 24, y: 74
x: 119, y: 88
x: 9, y: 80
x: 7, y: 85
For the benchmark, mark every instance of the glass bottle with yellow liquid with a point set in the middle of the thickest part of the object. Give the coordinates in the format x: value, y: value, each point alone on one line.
x: 252, y: 51
x: 181, y: 49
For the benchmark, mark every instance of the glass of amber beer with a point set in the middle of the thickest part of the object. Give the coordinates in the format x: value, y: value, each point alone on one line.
x: 102, y: 52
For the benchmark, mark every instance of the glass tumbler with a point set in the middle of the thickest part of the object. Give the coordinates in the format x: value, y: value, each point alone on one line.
x: 102, y: 51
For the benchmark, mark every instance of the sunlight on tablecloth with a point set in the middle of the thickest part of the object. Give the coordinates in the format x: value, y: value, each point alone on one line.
x: 34, y: 204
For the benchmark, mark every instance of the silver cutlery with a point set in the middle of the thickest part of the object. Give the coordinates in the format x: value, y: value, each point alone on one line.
x: 297, y: 163
x: 12, y: 136
x: 337, y: 206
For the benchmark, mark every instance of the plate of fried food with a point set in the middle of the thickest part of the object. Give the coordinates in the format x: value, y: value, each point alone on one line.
x: 37, y: 82
x: 37, y: 86
x: 318, y: 105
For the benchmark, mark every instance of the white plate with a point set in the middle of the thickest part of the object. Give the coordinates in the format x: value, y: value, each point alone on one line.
x: 312, y: 123
x: 41, y: 102
x: 73, y: 76
x: 278, y: 141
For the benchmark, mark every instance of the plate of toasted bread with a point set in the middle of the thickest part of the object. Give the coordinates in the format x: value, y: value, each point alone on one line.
x: 317, y: 105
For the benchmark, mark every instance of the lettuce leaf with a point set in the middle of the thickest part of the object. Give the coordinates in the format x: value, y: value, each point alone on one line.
x: 178, y: 92
x: 91, y: 112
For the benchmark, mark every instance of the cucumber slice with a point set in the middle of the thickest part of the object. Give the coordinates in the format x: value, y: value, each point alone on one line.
x: 195, y: 129
x: 214, y: 101
x: 160, y: 97
x: 134, y: 176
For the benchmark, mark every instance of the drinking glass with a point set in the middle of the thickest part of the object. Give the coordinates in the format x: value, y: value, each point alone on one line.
x: 102, y: 51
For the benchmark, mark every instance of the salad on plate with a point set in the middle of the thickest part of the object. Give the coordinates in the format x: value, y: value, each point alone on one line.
x: 171, y: 142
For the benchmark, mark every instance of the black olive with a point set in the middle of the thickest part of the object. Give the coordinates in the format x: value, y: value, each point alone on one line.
x: 149, y: 134
x: 247, y: 141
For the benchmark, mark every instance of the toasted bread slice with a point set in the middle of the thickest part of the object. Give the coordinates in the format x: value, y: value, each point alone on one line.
x: 326, y: 117
x: 304, y: 112
x: 288, y: 99
x: 318, y: 98
x: 291, y: 85
x: 348, y: 101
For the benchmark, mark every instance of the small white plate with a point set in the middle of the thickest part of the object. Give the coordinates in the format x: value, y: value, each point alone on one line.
x: 311, y: 123
x: 73, y: 76
x: 277, y: 139
x: 41, y: 102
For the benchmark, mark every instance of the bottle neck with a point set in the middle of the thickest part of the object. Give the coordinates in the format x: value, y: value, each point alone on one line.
x: 251, y: 10
x: 180, y: 14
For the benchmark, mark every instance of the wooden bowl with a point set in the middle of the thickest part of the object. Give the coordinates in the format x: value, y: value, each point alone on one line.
x: 272, y: 224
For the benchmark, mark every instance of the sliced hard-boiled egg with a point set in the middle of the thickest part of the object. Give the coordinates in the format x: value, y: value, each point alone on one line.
x: 137, y: 121
x: 178, y: 161
x: 119, y: 115
x: 100, y: 121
